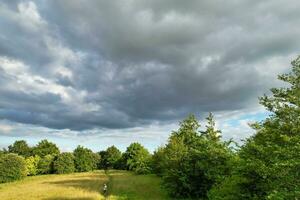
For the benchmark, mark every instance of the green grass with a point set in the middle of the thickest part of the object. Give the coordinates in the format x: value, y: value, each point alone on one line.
x: 122, y: 185
x: 126, y: 185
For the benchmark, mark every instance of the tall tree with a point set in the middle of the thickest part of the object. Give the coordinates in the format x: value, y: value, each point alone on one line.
x: 20, y: 147
x: 85, y: 159
x: 270, y: 160
x: 194, y: 162
x: 44, y: 148
x: 211, y: 132
x: 137, y: 158
x: 111, y: 157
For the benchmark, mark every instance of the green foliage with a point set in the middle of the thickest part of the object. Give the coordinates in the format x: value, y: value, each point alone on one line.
x: 270, y: 160
x: 122, y: 163
x: 158, y: 161
x: 64, y: 163
x: 32, y: 165
x: 211, y: 133
x: 110, y: 158
x: 12, y: 167
x: 137, y: 158
x: 85, y: 159
x: 194, y: 162
x: 96, y: 160
x: 45, y: 164
x: 44, y: 148
x: 20, y: 147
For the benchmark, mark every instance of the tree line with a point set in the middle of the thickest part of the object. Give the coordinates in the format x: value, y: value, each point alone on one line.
x: 195, y: 163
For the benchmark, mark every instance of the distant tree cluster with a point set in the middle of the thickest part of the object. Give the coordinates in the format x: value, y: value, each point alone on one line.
x: 195, y: 163
x: 45, y: 158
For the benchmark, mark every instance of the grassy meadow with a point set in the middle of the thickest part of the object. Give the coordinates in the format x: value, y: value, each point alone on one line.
x: 122, y: 185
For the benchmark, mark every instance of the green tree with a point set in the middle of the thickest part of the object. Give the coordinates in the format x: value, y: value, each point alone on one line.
x: 111, y: 157
x: 158, y: 161
x: 45, y: 164
x: 12, y: 167
x: 270, y: 160
x: 20, y: 147
x: 64, y: 163
x: 32, y: 165
x: 211, y: 133
x: 85, y: 159
x: 137, y: 158
x: 195, y: 162
x: 44, y: 148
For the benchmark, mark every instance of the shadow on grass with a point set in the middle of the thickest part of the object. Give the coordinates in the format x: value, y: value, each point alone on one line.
x: 89, y: 183
x: 68, y: 198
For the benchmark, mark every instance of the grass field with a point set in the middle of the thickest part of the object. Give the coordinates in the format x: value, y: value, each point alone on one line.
x: 122, y: 185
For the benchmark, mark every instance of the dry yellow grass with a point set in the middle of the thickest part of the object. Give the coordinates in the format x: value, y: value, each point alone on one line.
x: 122, y: 185
x: 79, y: 186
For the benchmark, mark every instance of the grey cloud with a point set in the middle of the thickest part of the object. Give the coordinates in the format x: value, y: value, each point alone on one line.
x: 140, y: 62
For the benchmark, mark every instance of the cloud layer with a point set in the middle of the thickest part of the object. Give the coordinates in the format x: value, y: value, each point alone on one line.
x: 82, y: 65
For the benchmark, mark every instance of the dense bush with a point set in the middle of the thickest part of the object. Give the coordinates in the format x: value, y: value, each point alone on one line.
x: 45, y: 164
x: 12, y: 167
x: 32, y: 165
x: 44, y: 148
x: 85, y: 159
x: 137, y: 158
x: 64, y: 163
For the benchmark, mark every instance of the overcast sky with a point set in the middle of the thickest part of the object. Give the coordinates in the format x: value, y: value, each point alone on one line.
x: 100, y: 72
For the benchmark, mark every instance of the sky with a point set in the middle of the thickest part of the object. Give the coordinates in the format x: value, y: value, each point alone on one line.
x: 99, y: 73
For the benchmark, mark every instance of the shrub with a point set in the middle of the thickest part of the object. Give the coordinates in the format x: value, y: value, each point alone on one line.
x: 64, y: 163
x: 32, y: 165
x: 12, y: 167
x: 45, y: 165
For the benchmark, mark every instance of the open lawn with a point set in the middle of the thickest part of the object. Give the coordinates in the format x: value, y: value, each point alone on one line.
x: 85, y: 186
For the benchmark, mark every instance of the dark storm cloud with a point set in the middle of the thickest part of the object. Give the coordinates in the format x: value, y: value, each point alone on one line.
x: 119, y: 64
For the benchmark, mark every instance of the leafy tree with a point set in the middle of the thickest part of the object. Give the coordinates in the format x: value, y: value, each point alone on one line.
x: 85, y: 159
x: 12, y: 167
x: 195, y: 162
x: 20, y: 147
x: 64, y: 163
x: 44, y: 148
x: 110, y: 158
x: 45, y: 164
x: 211, y: 133
x: 270, y: 160
x: 32, y: 165
x: 137, y: 158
